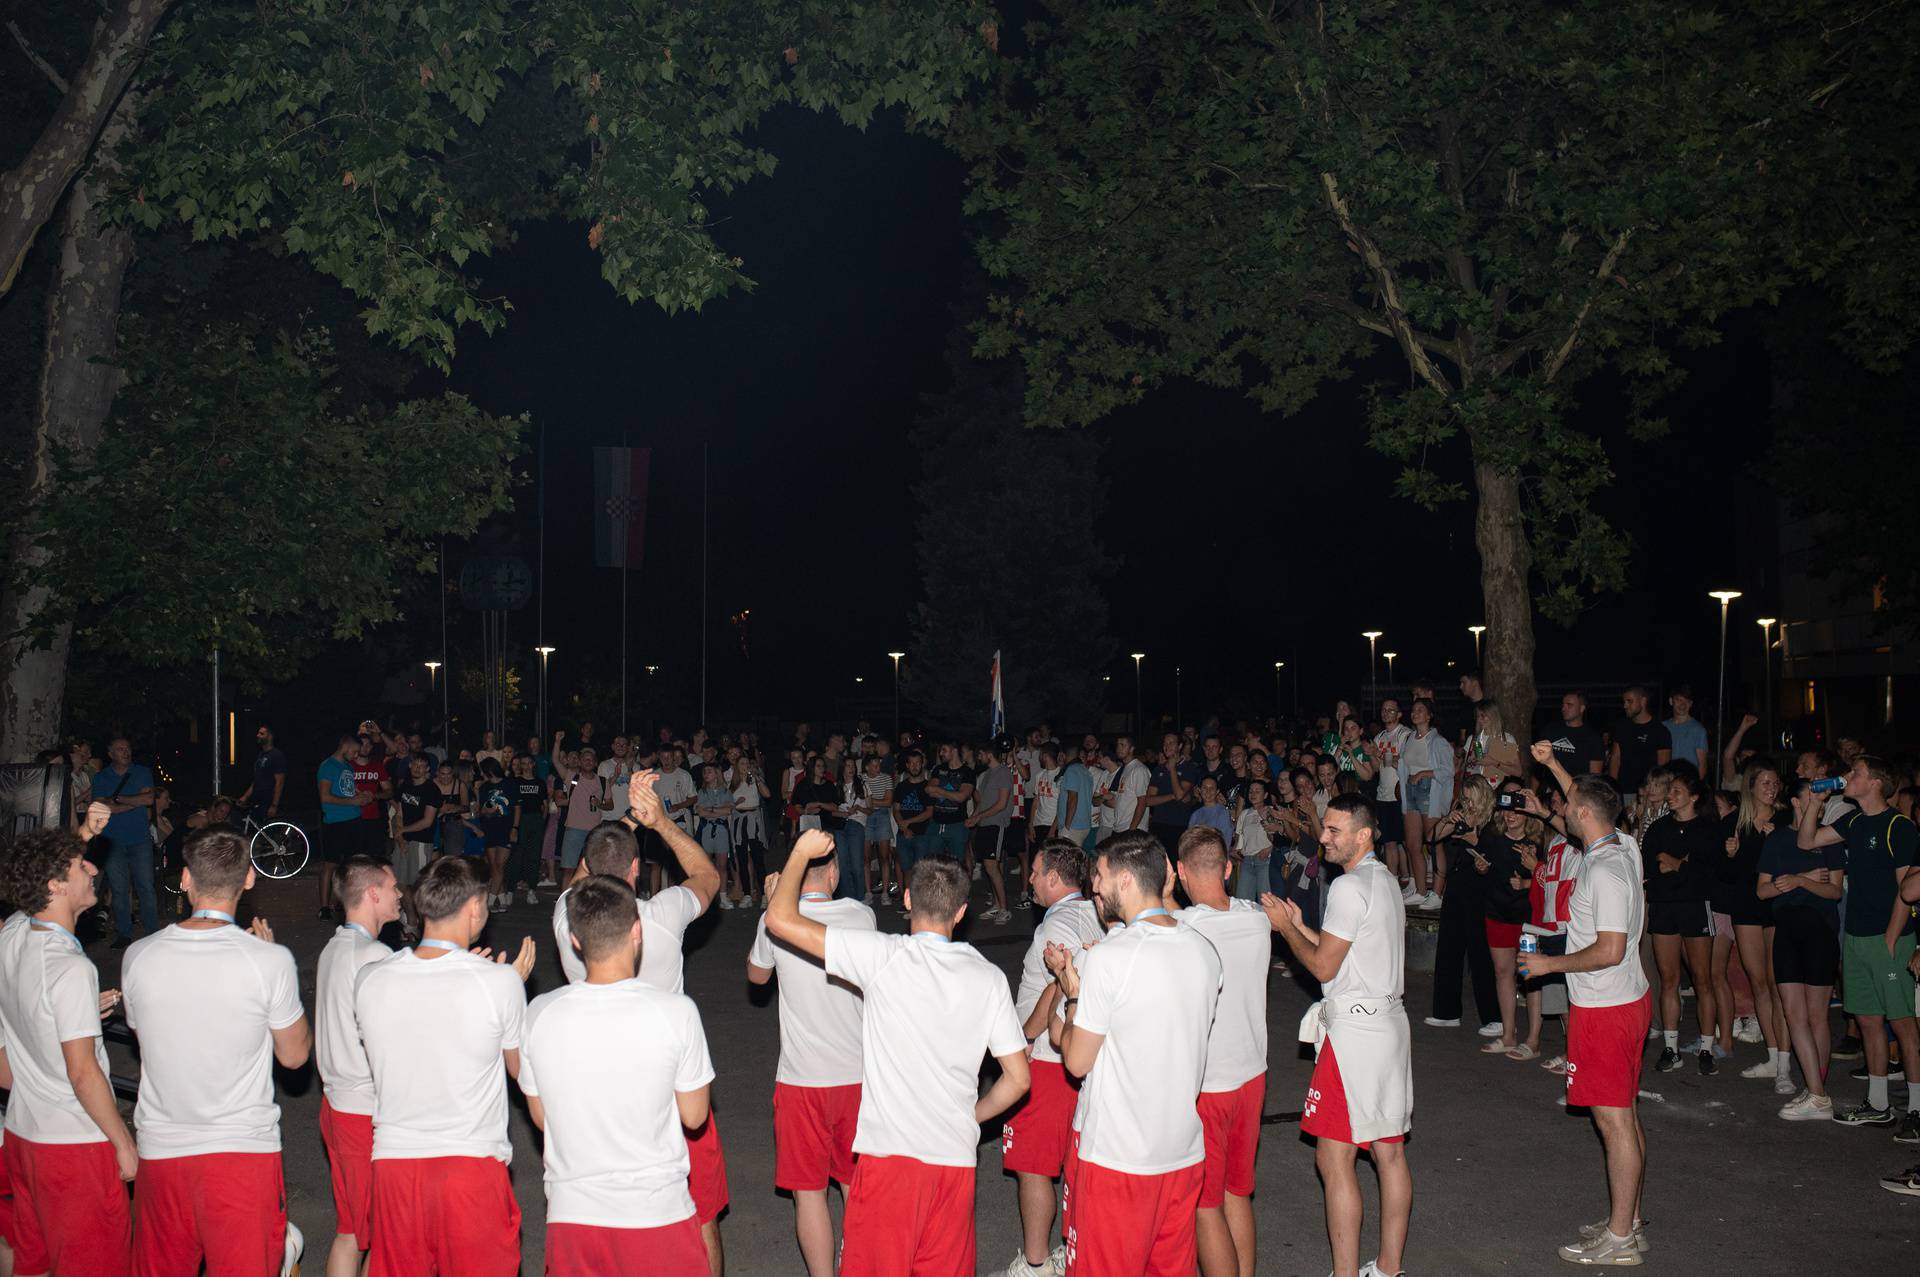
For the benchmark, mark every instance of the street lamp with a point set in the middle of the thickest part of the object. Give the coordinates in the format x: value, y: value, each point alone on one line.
x: 1139, y: 717
x: 1726, y: 598
x: 433, y: 678
x: 1476, y: 631
x: 896, y: 694
x: 1373, y: 682
x: 1277, y: 667
x: 1389, y: 656
x: 545, y: 652
x: 1766, y: 673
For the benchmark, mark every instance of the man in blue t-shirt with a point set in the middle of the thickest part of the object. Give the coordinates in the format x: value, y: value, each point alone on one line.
x: 126, y: 788
x: 1076, y: 801
x: 340, y: 801
x: 1688, y: 734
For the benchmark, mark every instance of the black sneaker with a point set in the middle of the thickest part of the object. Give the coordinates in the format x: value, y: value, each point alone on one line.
x: 1907, y: 1182
x: 1894, y: 1073
x: 1669, y: 1061
x: 1908, y: 1130
x: 1707, y: 1067
x: 1849, y: 1048
x: 1863, y: 1115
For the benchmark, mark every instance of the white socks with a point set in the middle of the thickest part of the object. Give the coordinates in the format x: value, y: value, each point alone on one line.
x: 1877, y: 1091
x: 1782, y: 1061
x: 1671, y: 1037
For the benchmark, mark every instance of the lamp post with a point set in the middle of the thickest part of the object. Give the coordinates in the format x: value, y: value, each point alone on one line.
x: 896, y: 694
x: 1373, y: 682
x: 1766, y: 674
x: 1726, y: 598
x: 1389, y: 656
x: 541, y: 732
x: 433, y: 681
x: 1476, y: 631
x: 1139, y: 717
x: 1277, y: 667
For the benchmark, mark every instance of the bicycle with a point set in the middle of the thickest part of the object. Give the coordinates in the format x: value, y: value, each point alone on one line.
x: 278, y: 849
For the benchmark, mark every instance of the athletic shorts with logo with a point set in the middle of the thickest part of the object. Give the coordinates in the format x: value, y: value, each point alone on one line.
x: 1876, y: 982
x: 1604, y: 1050
x: 1133, y: 1225
x: 1035, y: 1138
x: 1325, y: 1114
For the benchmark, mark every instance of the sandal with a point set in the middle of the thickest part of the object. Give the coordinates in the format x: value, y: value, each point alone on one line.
x: 1523, y: 1052
x: 1557, y: 1066
x: 1496, y: 1047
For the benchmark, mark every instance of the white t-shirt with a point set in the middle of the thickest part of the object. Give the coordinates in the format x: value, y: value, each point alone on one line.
x: 1365, y: 908
x: 666, y: 918
x: 615, y: 772
x: 1391, y: 741
x: 1103, y: 815
x: 673, y: 787
x: 205, y: 1004
x: 1128, y: 790
x: 1250, y: 836
x: 605, y: 1061
x: 819, y: 1016
x: 337, y: 1051
x: 1046, y: 796
x: 435, y: 1029
x: 1151, y: 992
x: 933, y: 1009
x: 1237, y: 1045
x: 49, y: 994
x: 1608, y: 896
x: 1072, y: 922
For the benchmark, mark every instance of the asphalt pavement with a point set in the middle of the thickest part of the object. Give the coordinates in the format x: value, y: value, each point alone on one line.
x: 1503, y: 1174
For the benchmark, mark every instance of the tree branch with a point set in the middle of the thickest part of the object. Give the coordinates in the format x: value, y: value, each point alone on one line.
x: 1558, y: 359
x: 1411, y: 343
x: 45, y: 67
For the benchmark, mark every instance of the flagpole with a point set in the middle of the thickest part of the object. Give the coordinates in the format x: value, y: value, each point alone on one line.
x: 540, y: 585
x: 703, y: 584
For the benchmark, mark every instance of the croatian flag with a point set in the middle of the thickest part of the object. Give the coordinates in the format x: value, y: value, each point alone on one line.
x: 999, y: 701
x: 619, y: 506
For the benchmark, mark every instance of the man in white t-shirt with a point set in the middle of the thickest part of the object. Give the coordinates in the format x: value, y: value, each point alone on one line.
x: 369, y: 899
x: 676, y: 788
x: 1610, y: 1009
x: 1361, y: 1095
x: 1135, y: 1028
x: 614, y: 850
x: 816, y: 1087
x: 614, y: 1072
x: 1384, y: 750
x: 1129, y: 787
x: 439, y: 1023
x: 1233, y: 1092
x: 67, y: 1152
x: 614, y: 772
x: 910, y: 1207
x: 1034, y: 1140
x: 215, y: 1007
x: 1046, y: 792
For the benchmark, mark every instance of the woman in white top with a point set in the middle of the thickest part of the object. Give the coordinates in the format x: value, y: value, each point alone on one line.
x: 1426, y: 783
x: 1253, y: 844
x: 749, y: 820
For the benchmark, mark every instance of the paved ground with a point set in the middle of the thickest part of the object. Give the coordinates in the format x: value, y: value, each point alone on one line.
x: 1502, y: 1174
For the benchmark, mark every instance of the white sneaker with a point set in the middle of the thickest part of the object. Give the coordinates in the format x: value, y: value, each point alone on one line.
x: 1372, y: 1268
x: 1604, y: 1251
x: 1783, y: 1085
x: 1407, y: 893
x: 1763, y: 1069
x: 1429, y: 902
x: 723, y: 900
x: 531, y: 898
x: 1808, y: 1107
x: 1747, y: 1029
x: 1435, y: 1022
x: 1019, y: 1267
x: 546, y: 881
x: 499, y: 903
x: 290, y: 1257
x: 1491, y: 1029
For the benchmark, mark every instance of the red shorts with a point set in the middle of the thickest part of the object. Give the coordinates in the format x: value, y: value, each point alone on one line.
x: 452, y: 1216
x: 813, y: 1135
x: 6, y: 1201
x: 1604, y: 1047
x: 671, y: 1250
x: 1034, y: 1140
x: 1503, y: 935
x: 1132, y: 1225
x: 349, y: 1141
x: 1068, y: 1169
x: 229, y: 1209
x: 70, y: 1212
x: 1231, y: 1120
x: 906, y: 1216
x: 707, y: 1170
x: 1325, y: 1113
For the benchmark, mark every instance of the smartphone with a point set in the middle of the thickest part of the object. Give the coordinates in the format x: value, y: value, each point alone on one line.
x: 1509, y: 800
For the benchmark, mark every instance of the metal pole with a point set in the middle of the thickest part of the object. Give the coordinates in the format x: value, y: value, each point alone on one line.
x: 623, y: 649
x: 1766, y: 682
x: 216, y: 718
x: 446, y: 697
x: 540, y: 581
x: 703, y: 584
x: 1720, y: 706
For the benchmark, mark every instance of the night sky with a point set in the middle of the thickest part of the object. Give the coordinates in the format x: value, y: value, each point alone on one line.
x: 1242, y: 537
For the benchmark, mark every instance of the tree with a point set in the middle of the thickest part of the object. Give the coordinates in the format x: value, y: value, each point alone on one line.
x: 1512, y: 198
x: 1009, y: 552
x: 387, y: 143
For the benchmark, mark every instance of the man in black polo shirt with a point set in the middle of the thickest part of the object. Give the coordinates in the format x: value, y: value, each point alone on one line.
x: 1640, y: 743
x: 1577, y: 747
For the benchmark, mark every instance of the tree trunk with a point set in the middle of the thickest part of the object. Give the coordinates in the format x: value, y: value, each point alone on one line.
x: 30, y: 191
x: 1506, y: 561
x: 78, y: 380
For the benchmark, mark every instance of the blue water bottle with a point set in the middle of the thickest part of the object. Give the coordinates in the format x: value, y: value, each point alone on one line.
x: 1529, y: 945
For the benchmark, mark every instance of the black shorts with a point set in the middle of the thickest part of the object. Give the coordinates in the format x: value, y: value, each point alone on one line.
x: 1806, y: 949
x: 1688, y: 919
x: 1392, y: 822
x: 338, y: 841
x: 987, y: 841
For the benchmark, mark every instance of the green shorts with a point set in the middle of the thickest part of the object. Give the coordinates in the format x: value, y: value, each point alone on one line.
x: 1874, y: 981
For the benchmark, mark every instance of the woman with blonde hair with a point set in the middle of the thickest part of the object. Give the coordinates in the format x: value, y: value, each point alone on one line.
x: 1491, y: 750
x: 1463, y: 912
x: 1742, y: 921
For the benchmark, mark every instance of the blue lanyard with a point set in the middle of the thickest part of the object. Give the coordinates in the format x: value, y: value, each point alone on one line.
x: 45, y: 924
x: 1062, y: 902
x: 218, y: 915
x: 448, y: 945
x: 1155, y: 912
x: 815, y: 895
x: 934, y: 936
x: 1598, y: 843
x: 362, y: 930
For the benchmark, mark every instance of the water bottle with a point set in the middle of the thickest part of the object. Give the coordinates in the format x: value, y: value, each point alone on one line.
x: 1829, y: 785
x: 1529, y: 945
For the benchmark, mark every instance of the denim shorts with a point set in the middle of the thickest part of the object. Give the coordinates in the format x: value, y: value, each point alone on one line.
x: 1416, y: 794
x: 880, y: 826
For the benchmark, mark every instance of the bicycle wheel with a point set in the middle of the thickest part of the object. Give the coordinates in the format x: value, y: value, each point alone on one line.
x: 279, y: 849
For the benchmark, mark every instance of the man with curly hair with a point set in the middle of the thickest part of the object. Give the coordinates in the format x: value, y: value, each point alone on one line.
x: 67, y: 1151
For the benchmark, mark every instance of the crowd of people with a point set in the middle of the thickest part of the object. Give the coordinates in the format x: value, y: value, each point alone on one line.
x: 1598, y: 876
